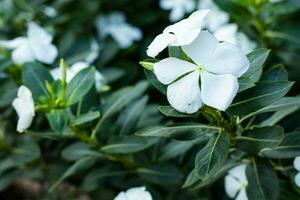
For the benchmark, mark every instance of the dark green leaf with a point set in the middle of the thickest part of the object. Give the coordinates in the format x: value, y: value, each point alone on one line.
x: 80, y: 85
x: 184, y: 132
x: 77, y: 151
x: 245, y: 83
x: 58, y: 120
x: 84, y: 118
x: 35, y: 76
x: 252, y: 141
x: 262, y: 181
x: 211, y: 158
x: 153, y: 80
x: 276, y: 73
x: 169, y: 111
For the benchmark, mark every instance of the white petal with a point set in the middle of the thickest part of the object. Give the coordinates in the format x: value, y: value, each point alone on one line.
x: 45, y: 53
x: 37, y: 34
x: 202, y: 48
x: 121, y: 196
x: 125, y: 34
x: 184, y: 95
x: 55, y: 73
x: 24, y: 106
x: 218, y: 91
x: 166, y: 4
x: 74, y: 69
x: 159, y: 43
x: 138, y: 193
x: 22, y: 54
x: 169, y: 69
x: 227, y: 33
x: 11, y: 44
x: 228, y: 59
x: 232, y: 186
x: 297, y: 163
x: 242, y: 195
x: 176, y: 14
x: 239, y: 172
x: 188, y: 29
x: 99, y: 80
x: 297, y: 179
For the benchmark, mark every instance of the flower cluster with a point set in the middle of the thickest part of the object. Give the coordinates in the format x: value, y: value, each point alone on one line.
x: 217, y: 64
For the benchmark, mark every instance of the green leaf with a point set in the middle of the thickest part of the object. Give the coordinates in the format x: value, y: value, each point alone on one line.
x: 125, y: 145
x: 275, y: 73
x: 245, y: 83
x: 289, y: 148
x: 153, y: 80
x: 77, y: 151
x: 160, y: 174
x: 35, y: 76
x: 211, y: 158
x: 58, y: 120
x: 7, y: 178
x: 79, y: 165
x: 169, y: 111
x: 252, y: 141
x: 128, y: 119
x: 184, y: 132
x: 80, y: 85
x: 257, y: 58
x: 262, y: 181
x: 263, y: 94
x: 8, y: 91
x: 87, y: 117
x: 118, y: 101
x: 282, y: 104
x: 176, y: 52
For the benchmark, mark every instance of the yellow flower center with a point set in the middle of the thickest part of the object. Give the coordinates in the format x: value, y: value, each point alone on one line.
x: 200, y: 68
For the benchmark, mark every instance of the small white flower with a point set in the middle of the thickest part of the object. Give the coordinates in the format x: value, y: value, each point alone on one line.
x: 229, y: 33
x: 216, y: 17
x: 236, y: 183
x: 181, y: 33
x: 24, y: 106
x: 217, y: 64
x: 50, y: 11
x: 137, y: 193
x: 74, y: 69
x: 116, y: 26
x: 178, y: 8
x: 36, y: 46
x: 297, y: 167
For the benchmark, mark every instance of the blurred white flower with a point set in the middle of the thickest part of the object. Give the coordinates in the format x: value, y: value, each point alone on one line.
x: 216, y: 17
x: 36, y: 46
x: 275, y: 1
x: 236, y: 183
x: 24, y: 106
x: 93, y: 55
x: 116, y: 26
x: 50, y: 11
x: 218, y: 64
x: 74, y: 69
x: 178, y: 8
x: 181, y: 33
x: 297, y: 167
x: 137, y: 193
x: 229, y: 33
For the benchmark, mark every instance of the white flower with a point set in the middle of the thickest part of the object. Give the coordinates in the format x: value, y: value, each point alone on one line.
x: 229, y: 33
x: 178, y: 8
x: 116, y: 26
x: 36, y: 46
x: 297, y: 167
x: 50, y: 11
x: 218, y: 64
x: 74, y: 69
x: 137, y: 193
x: 24, y: 106
x: 216, y: 17
x: 181, y: 33
x: 236, y: 183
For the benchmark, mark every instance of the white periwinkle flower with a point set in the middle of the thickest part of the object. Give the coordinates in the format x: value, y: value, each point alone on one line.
x: 218, y: 64
x: 116, y: 26
x: 181, y: 33
x: 297, y: 167
x: 74, y: 69
x: 236, y: 183
x: 178, y: 8
x: 137, y: 193
x: 24, y: 106
x: 36, y: 46
x: 229, y: 33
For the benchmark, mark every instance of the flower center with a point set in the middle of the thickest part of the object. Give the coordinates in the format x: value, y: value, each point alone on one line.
x: 200, y: 68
